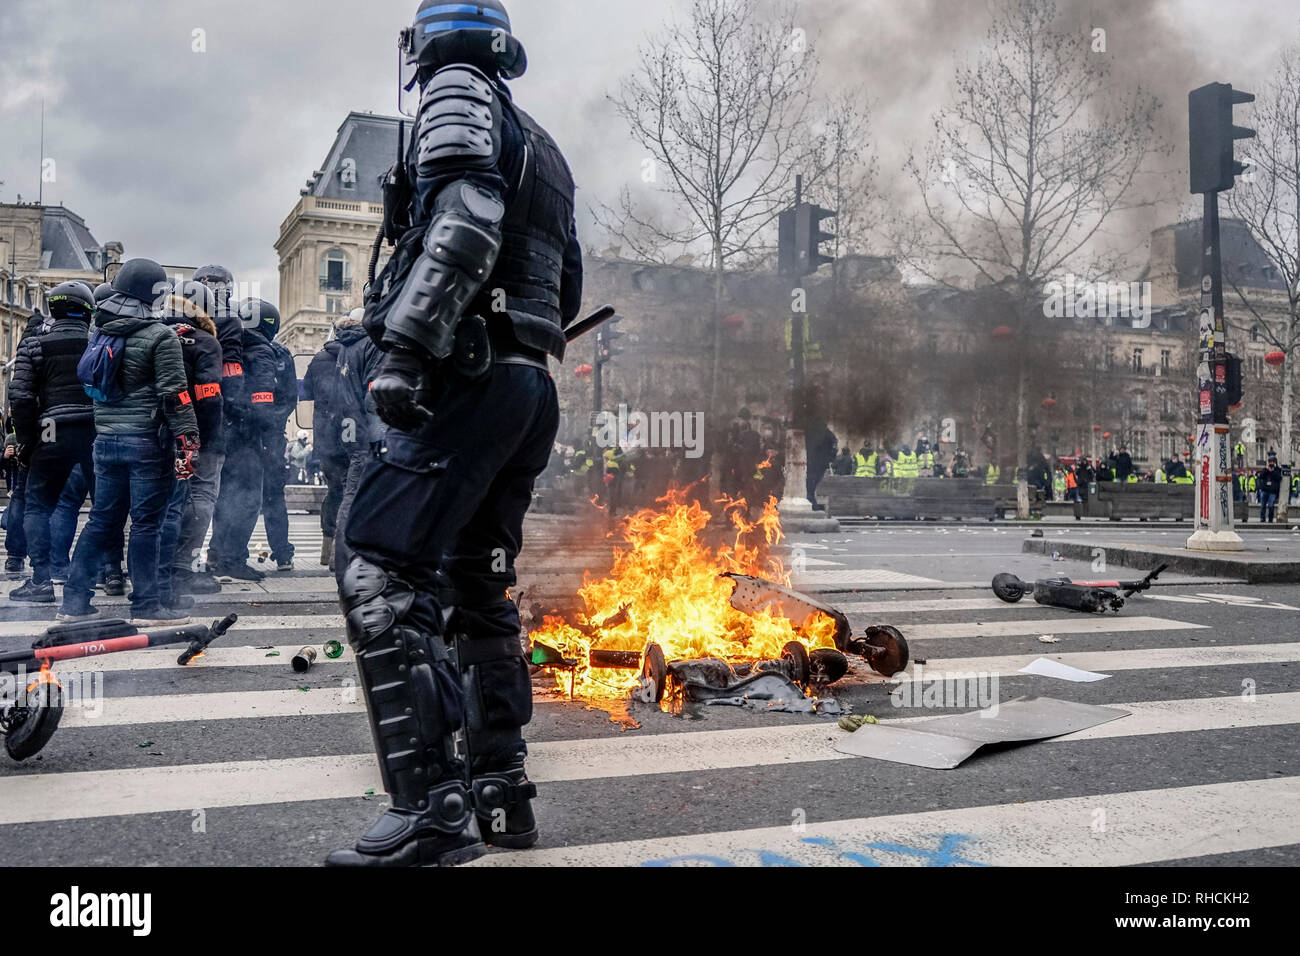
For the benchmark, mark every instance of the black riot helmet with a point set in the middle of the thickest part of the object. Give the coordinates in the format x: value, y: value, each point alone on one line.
x: 221, y: 282
x: 198, y: 295
x: 71, y: 300
x: 260, y: 316
x: 475, y: 33
x: 138, y: 286
x: 102, y: 292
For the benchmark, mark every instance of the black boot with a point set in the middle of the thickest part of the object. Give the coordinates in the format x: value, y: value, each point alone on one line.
x: 31, y: 591
x: 114, y: 582
x: 503, y: 803
x: 414, y: 702
x: 443, y: 833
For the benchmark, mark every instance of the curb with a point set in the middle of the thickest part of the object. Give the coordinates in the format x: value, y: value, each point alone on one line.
x: 1250, y: 567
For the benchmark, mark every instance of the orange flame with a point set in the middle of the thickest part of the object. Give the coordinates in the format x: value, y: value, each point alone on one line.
x: 665, y: 586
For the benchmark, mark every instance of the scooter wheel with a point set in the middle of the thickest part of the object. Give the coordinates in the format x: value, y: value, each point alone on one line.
x: 654, y: 668
x: 887, y: 651
x: 1008, y: 587
x: 796, y: 657
x: 28, y: 728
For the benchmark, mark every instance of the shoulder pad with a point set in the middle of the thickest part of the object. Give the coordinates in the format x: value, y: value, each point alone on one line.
x: 459, y: 120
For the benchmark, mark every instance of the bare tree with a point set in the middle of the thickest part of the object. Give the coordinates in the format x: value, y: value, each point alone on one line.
x: 718, y: 101
x: 844, y: 168
x: 1267, y: 198
x: 1035, y: 153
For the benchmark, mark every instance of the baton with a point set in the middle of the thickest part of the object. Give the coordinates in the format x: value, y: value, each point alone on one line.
x: 583, y: 326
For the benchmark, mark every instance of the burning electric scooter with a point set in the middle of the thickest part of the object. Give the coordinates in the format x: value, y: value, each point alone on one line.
x: 1090, y: 596
x: 29, y: 718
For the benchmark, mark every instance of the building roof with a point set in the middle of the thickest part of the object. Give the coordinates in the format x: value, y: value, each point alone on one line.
x: 1245, y: 262
x: 66, y: 243
x: 364, y: 150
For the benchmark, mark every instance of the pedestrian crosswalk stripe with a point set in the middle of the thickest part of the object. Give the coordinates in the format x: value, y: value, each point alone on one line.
x: 1113, y: 829
x: 176, y: 708
x: 1156, y: 658
x: 29, y: 798
x: 864, y: 576
x: 310, y: 624
x: 941, y: 604
x: 250, y: 622
x: 1078, y: 624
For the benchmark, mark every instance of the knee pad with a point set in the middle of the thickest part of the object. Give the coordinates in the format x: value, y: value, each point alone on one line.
x: 498, y: 686
x: 373, y: 601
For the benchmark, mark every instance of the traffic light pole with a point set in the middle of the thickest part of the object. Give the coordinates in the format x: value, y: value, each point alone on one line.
x: 1213, y: 460
x: 794, y: 496
x: 598, y: 375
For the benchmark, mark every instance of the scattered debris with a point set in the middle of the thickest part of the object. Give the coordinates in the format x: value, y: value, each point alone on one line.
x: 852, y: 722
x: 1048, y: 639
x: 303, y: 660
x: 333, y: 650
x: 274, y: 654
x: 943, y: 743
x: 1043, y: 667
x: 1036, y: 533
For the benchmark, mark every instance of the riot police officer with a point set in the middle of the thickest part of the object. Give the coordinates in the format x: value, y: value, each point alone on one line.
x: 235, y: 410
x: 486, y: 275
x: 254, y: 423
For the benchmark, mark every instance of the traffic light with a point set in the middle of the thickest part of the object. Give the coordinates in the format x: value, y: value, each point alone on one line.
x: 809, y: 237
x: 605, y: 336
x: 1211, y: 135
x: 1232, y: 380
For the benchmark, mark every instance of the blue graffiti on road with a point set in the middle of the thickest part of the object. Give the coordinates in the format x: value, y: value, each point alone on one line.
x: 840, y: 852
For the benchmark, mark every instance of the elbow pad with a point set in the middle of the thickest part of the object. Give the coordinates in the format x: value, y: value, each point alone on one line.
x: 460, y: 251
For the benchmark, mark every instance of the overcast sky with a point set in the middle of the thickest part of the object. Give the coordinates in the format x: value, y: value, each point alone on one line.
x: 192, y: 157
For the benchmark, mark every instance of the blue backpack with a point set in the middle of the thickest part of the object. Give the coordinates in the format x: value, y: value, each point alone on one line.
x: 100, y: 368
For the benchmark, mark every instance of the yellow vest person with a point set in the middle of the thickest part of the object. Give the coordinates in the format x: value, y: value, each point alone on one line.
x: 992, y: 475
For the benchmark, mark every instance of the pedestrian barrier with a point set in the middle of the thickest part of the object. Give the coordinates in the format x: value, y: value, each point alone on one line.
x: 308, y: 498
x: 933, y: 498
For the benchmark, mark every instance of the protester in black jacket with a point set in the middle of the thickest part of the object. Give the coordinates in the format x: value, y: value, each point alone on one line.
x: 190, y: 509
x: 54, y: 422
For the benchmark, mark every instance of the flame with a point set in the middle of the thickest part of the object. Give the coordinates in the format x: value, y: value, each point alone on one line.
x: 44, y: 676
x: 665, y: 586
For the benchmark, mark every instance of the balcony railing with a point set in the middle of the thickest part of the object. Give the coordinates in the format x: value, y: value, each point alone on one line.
x: 336, y: 285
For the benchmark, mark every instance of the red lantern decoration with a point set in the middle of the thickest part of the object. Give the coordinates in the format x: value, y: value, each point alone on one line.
x: 734, y: 321
x: 1048, y: 402
x: 1275, y: 358
x: 582, y: 371
x: 1096, y: 428
x: 1191, y: 439
x: 1003, y: 332
x: 1105, y: 434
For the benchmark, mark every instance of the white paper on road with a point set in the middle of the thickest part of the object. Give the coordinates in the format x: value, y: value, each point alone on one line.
x: 1049, y: 668
x: 943, y: 743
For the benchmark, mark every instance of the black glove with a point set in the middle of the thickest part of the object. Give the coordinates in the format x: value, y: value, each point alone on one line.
x: 403, y: 395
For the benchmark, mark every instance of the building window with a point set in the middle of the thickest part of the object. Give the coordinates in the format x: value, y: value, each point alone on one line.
x: 1166, y: 359
x: 1139, y: 405
x: 1254, y: 333
x: 335, y: 272
x: 1138, y: 446
x: 335, y: 305
x: 1170, y: 443
x: 1137, y: 360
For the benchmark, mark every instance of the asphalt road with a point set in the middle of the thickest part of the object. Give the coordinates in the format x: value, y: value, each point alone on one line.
x: 238, y: 760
